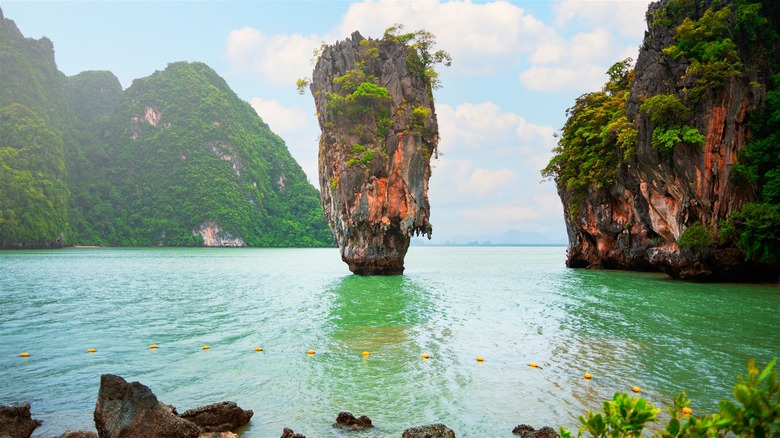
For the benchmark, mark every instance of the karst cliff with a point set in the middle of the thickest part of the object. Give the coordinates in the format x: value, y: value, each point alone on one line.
x: 379, y: 131
x: 660, y: 169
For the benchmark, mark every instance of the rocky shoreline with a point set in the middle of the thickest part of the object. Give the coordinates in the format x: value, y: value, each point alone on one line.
x: 125, y: 410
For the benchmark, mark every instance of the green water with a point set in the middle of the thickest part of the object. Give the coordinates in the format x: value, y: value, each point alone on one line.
x: 510, y: 305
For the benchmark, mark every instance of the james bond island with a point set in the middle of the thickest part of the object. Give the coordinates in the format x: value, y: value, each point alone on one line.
x: 374, y: 102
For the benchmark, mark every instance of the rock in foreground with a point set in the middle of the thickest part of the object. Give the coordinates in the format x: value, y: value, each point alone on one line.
x: 218, y: 417
x: 379, y: 131
x: 125, y: 410
x: 526, y: 431
x: 289, y: 433
x: 347, y: 421
x: 16, y: 421
x: 430, y: 431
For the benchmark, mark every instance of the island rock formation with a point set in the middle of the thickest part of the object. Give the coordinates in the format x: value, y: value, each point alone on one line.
x: 636, y: 219
x: 379, y: 131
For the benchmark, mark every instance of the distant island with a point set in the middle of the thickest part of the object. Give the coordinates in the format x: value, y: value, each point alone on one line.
x: 176, y: 159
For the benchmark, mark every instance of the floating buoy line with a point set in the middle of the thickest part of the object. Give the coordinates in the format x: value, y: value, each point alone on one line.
x: 365, y: 354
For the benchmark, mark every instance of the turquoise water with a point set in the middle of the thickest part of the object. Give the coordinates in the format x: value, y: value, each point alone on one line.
x: 510, y: 305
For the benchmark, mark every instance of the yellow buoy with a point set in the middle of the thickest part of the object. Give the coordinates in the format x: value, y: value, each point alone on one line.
x: 588, y: 376
x: 259, y: 349
x: 366, y: 354
x: 310, y: 352
x: 533, y: 365
x: 636, y: 389
x: 91, y: 350
x: 206, y: 347
x: 687, y: 411
x: 480, y: 359
x: 25, y: 354
x: 153, y: 346
x: 424, y: 356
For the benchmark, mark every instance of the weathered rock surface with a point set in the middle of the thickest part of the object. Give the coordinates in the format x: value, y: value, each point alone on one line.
x: 636, y: 223
x: 347, y: 421
x: 289, y: 433
x: 17, y: 422
x: 374, y: 161
x: 526, y: 431
x: 125, y: 410
x: 429, y: 431
x: 218, y: 417
x: 78, y: 434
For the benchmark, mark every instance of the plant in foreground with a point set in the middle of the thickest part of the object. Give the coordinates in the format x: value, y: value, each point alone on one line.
x: 756, y: 413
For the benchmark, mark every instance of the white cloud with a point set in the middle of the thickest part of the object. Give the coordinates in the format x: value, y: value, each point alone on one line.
x: 485, y: 181
x: 581, y: 78
x: 480, y: 37
x: 485, y: 126
x: 627, y: 17
x: 280, y: 118
x: 577, y: 64
x: 489, y: 172
x: 280, y: 58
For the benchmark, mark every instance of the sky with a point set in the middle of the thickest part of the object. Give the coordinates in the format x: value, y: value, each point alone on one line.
x: 516, y: 67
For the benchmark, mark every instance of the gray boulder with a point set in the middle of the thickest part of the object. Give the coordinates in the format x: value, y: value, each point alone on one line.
x: 125, y: 410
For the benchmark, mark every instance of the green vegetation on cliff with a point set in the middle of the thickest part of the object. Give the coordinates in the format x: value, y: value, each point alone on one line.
x: 596, y: 136
x: 35, y: 127
x: 715, y: 43
x: 174, y: 154
x: 181, y: 151
x: 33, y: 194
x: 756, y: 228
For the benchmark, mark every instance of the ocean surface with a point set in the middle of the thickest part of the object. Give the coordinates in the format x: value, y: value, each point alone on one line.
x: 510, y: 305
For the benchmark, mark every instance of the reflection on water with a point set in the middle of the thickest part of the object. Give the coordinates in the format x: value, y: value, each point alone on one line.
x: 374, y: 313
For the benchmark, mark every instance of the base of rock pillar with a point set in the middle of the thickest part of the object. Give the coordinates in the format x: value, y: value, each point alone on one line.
x: 377, y: 268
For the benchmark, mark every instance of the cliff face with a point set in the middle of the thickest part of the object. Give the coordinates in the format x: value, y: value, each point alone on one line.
x: 379, y: 131
x: 637, y: 222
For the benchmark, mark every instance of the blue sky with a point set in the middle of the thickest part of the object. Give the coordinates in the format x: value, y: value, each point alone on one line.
x: 517, y: 66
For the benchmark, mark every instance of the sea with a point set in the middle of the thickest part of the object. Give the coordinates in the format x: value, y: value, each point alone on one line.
x: 511, y: 306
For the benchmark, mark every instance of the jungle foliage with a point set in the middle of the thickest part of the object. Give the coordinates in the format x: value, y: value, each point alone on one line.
x: 596, y: 137
x: 670, y: 128
x: 181, y: 149
x: 710, y: 34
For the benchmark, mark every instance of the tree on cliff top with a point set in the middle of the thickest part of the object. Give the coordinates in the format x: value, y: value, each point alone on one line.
x: 420, y: 42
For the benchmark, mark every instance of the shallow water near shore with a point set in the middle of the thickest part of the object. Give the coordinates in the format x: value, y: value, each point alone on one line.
x: 510, y: 305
